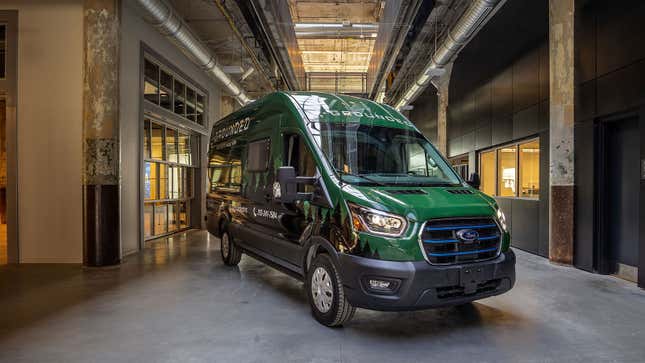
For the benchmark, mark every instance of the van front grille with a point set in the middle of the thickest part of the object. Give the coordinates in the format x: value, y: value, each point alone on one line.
x: 452, y: 241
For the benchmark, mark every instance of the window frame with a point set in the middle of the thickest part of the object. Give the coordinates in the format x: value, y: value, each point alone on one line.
x: 495, y: 150
x: 177, y: 77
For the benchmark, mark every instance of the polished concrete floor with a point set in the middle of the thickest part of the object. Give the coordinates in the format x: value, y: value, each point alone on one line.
x: 177, y: 302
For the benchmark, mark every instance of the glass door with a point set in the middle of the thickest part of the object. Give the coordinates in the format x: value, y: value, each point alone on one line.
x: 168, y: 174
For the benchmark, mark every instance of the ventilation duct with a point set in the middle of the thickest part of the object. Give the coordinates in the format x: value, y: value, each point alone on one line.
x: 170, y: 24
x: 458, y: 36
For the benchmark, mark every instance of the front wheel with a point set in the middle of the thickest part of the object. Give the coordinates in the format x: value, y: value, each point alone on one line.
x: 326, y: 295
x: 231, y: 254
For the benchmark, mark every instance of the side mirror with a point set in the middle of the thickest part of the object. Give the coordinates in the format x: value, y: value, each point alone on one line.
x: 289, y: 185
x: 474, y: 181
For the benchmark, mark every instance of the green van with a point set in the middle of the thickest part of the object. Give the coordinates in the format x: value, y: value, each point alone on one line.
x: 347, y: 195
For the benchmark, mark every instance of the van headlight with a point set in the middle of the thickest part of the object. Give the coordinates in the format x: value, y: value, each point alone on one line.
x: 502, y: 219
x: 376, y: 222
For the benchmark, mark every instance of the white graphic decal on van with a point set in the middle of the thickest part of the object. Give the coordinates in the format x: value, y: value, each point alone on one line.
x: 232, y: 129
x: 368, y: 114
x: 265, y: 213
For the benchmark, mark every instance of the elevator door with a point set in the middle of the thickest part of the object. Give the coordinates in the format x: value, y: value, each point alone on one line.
x: 623, y: 185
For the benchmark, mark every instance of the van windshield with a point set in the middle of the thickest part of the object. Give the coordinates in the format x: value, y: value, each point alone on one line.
x: 376, y: 155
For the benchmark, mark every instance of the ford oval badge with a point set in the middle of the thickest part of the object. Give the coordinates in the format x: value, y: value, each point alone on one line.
x: 467, y: 235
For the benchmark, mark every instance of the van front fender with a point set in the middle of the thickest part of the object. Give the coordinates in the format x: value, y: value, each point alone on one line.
x: 316, y: 245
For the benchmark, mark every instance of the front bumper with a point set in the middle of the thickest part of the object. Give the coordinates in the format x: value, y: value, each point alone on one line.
x: 420, y: 285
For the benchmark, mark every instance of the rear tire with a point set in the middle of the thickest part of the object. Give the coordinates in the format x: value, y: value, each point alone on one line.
x: 325, y: 293
x: 231, y: 254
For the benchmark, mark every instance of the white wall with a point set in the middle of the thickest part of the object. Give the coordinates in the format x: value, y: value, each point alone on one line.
x: 136, y: 31
x: 49, y: 121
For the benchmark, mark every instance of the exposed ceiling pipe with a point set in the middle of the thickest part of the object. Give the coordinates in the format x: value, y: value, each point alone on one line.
x: 247, y: 73
x: 458, y: 36
x: 254, y: 58
x: 396, y: 42
x: 169, y: 23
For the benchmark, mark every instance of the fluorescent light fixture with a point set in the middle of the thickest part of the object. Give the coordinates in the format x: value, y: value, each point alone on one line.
x: 317, y: 25
x: 333, y: 52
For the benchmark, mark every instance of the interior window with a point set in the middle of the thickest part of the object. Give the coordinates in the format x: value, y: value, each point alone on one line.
x: 506, y: 171
x: 151, y: 82
x: 487, y: 171
x: 530, y: 169
x: 258, y: 155
x: 165, y: 91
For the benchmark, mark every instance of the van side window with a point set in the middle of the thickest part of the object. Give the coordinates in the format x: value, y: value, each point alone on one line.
x: 258, y: 155
x: 225, y: 168
x: 298, y: 155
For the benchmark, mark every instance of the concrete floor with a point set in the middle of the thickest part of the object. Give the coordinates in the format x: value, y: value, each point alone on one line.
x: 177, y: 302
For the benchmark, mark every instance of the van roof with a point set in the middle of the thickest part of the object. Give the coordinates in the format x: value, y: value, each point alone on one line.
x: 333, y: 108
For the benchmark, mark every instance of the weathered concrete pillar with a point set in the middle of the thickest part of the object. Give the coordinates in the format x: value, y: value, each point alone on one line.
x: 101, y: 133
x: 562, y: 100
x: 443, y: 86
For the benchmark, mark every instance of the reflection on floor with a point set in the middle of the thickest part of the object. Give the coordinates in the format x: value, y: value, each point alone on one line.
x: 3, y: 244
x: 176, y: 301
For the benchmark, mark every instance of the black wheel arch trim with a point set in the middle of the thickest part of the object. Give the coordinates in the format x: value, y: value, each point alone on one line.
x: 312, y: 245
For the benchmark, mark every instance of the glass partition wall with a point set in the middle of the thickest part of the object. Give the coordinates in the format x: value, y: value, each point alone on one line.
x: 168, y: 177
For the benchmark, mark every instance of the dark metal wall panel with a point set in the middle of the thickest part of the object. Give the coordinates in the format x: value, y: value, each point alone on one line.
x: 483, y: 137
x: 502, y: 130
x: 468, y: 142
x: 610, y: 73
x: 543, y: 230
x: 585, y: 40
x: 584, y: 197
x: 526, y: 122
x: 586, y: 101
x: 526, y: 223
x: 543, y: 55
x: 620, y: 29
x: 641, y: 258
x: 621, y: 89
x: 424, y: 114
x: 502, y: 93
x: 544, y: 116
x: 526, y: 80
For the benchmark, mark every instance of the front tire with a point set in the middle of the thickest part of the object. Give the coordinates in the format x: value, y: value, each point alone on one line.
x: 326, y: 294
x: 231, y: 254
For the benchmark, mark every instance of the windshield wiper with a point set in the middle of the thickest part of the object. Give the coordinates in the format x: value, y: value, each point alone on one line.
x: 361, y: 176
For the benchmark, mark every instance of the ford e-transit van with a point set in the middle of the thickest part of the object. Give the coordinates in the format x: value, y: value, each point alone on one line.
x: 347, y: 195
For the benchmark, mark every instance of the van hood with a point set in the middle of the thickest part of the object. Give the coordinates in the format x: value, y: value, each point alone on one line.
x: 423, y: 203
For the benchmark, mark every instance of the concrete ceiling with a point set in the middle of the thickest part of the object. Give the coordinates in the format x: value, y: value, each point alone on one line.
x: 336, y: 36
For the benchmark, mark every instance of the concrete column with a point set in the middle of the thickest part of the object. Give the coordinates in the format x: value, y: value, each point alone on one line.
x: 443, y: 86
x: 101, y: 133
x: 561, y: 165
